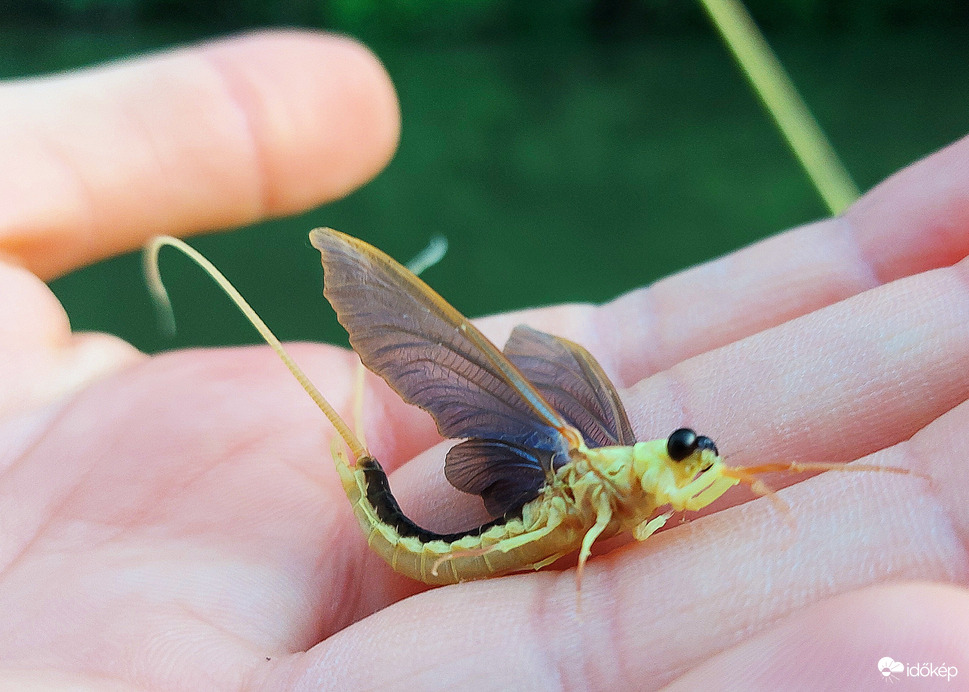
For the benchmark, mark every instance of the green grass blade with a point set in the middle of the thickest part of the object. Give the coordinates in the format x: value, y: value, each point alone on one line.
x: 780, y: 97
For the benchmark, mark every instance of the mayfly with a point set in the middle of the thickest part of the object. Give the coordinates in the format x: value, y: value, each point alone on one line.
x: 547, y: 443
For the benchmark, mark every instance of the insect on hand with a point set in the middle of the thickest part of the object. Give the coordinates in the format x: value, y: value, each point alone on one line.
x: 548, y: 445
x: 546, y: 440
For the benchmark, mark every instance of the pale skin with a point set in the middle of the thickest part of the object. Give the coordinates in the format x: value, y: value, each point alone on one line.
x: 175, y: 522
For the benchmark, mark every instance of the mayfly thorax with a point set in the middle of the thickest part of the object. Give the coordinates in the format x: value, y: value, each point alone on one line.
x: 547, y: 444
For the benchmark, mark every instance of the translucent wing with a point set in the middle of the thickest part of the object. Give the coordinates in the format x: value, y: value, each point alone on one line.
x: 504, y: 474
x: 429, y: 353
x: 573, y: 382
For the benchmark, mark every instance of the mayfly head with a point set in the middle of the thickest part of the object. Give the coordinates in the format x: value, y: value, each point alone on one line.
x: 686, y: 472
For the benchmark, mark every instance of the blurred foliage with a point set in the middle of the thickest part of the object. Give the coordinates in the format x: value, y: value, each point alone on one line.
x: 560, y: 168
x: 456, y: 20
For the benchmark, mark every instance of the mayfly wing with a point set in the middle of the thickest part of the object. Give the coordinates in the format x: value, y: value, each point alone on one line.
x: 574, y: 383
x: 430, y: 354
x: 504, y: 474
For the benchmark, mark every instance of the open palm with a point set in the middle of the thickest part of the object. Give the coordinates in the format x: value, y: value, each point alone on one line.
x: 173, y: 522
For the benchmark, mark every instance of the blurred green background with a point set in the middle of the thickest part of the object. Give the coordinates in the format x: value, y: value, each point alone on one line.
x: 569, y: 150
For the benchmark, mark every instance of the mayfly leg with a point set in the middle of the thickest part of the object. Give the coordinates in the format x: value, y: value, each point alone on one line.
x: 603, y: 517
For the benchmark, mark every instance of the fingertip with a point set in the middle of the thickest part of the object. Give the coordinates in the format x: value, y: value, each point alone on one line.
x: 43, y: 361
x: 196, y: 139
x: 915, y: 220
x: 322, y: 110
x: 841, y: 643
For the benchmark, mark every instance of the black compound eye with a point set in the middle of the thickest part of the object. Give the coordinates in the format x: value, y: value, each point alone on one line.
x: 682, y: 443
x: 704, y: 442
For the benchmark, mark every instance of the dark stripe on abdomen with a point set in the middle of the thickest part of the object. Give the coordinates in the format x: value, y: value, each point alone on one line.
x: 389, y: 512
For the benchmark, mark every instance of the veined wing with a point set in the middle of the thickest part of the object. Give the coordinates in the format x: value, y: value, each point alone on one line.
x: 571, y: 380
x: 504, y: 474
x: 430, y: 354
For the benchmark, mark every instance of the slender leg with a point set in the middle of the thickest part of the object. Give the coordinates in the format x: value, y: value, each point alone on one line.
x: 603, y: 517
x: 648, y: 528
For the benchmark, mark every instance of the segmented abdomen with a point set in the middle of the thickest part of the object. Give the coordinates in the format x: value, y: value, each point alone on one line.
x: 548, y: 528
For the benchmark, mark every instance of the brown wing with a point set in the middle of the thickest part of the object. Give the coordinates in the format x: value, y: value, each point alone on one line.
x: 504, y: 474
x: 430, y: 354
x: 573, y: 382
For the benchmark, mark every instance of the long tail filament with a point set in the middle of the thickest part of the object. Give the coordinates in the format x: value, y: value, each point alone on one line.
x: 160, y: 295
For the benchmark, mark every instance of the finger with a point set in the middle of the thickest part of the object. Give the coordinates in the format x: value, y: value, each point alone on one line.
x: 711, y: 582
x: 840, y: 643
x: 835, y: 385
x: 200, y: 138
x: 914, y: 221
x: 753, y: 289
x: 41, y: 360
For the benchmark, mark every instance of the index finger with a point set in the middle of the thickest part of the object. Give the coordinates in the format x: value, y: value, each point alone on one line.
x: 210, y: 136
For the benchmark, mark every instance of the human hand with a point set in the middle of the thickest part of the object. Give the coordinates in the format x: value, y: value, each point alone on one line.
x: 172, y: 522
